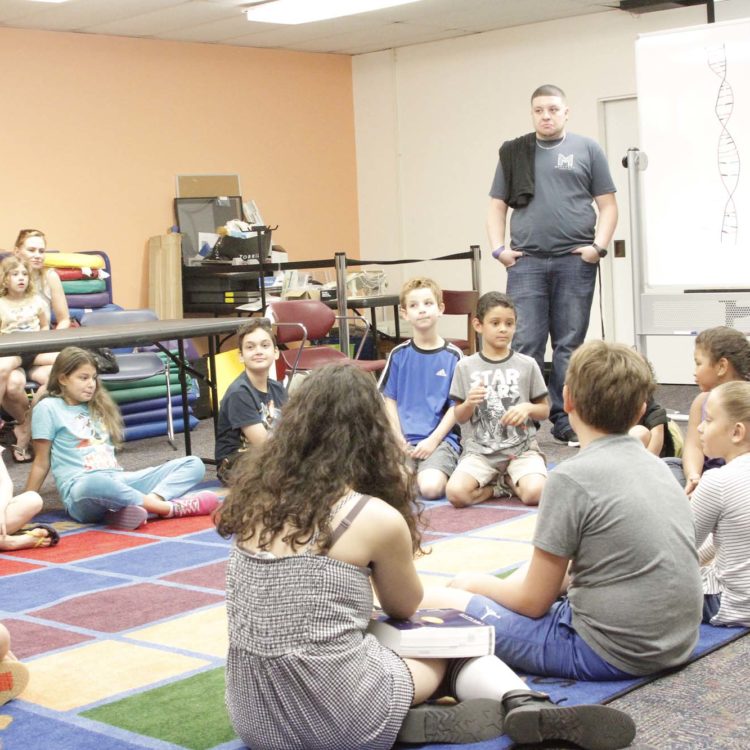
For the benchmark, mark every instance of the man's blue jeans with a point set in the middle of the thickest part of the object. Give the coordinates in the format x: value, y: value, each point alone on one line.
x: 553, y: 298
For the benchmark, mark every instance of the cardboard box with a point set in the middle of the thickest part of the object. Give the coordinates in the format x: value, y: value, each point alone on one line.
x: 306, y: 293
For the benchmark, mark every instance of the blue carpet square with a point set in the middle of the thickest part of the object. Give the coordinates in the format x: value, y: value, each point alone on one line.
x: 29, y: 731
x: 39, y: 588
x: 156, y: 559
x: 209, y: 536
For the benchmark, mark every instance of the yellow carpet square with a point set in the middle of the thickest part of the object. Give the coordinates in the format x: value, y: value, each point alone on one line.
x: 473, y: 556
x: 521, y: 529
x: 204, y: 632
x: 80, y: 676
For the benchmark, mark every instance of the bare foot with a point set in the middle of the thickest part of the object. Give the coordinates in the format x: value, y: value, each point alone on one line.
x: 22, y: 431
x: 26, y: 540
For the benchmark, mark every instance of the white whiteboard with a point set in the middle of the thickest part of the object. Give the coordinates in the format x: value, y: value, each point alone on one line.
x: 694, y: 119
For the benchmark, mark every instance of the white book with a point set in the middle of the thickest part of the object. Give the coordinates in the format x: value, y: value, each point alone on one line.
x: 434, y: 633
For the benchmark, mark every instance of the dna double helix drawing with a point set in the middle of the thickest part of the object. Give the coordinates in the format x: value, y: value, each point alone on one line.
x: 727, y: 153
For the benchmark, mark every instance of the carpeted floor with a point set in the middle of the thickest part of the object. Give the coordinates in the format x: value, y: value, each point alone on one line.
x: 125, y: 633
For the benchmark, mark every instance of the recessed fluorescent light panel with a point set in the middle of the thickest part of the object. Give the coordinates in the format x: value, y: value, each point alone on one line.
x: 306, y: 11
x: 48, y: 1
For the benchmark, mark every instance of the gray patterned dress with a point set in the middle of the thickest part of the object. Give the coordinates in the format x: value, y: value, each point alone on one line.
x: 301, y: 673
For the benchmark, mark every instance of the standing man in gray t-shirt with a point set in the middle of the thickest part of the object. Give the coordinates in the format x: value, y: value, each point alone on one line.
x: 550, y: 178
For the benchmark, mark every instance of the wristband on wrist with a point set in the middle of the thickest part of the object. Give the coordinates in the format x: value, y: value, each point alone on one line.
x: 497, y: 251
x: 599, y: 249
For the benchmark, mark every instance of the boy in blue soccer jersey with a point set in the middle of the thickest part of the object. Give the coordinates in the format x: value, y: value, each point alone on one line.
x: 416, y: 387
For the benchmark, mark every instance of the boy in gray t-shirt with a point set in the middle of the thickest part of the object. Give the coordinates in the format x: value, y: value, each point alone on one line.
x: 624, y: 550
x: 498, y: 394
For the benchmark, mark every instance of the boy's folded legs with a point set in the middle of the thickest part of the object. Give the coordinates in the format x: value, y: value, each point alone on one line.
x: 464, y: 490
x: 478, y: 478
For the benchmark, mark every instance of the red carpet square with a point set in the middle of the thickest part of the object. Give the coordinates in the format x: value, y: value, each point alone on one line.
x: 82, y: 545
x: 446, y: 518
x: 127, y: 607
x: 171, y: 527
x: 211, y: 576
x: 30, y: 638
x: 11, y: 567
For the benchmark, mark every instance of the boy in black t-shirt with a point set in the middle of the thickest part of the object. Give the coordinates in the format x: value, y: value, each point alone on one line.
x: 252, y: 402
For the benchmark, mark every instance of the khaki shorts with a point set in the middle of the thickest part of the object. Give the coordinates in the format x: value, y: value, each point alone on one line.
x: 444, y: 458
x: 484, y: 471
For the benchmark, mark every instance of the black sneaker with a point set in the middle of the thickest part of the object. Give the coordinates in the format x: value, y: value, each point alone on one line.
x: 566, y: 435
x: 468, y: 721
x: 532, y: 718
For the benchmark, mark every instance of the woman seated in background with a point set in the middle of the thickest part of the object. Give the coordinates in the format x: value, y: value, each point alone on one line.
x: 31, y: 245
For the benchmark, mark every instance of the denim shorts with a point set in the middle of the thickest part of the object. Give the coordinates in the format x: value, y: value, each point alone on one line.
x: 547, y: 646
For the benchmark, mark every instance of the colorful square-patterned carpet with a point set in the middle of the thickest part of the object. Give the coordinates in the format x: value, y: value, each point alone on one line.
x: 124, y: 632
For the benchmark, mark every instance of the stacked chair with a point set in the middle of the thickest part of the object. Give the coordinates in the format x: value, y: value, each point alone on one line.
x: 86, y: 280
x: 302, y: 322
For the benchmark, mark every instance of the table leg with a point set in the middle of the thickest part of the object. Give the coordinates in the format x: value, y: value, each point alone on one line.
x: 212, y: 383
x: 183, y: 391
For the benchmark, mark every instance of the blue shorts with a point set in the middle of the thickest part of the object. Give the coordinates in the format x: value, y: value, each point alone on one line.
x: 547, y: 646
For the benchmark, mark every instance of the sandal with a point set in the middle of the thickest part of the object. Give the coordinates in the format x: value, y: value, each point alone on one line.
x: 52, y: 533
x: 21, y: 455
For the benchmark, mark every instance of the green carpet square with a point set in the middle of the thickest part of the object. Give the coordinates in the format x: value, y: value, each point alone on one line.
x: 190, y: 713
x: 506, y: 573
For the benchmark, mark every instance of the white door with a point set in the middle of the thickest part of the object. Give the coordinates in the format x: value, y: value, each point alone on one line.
x: 620, y: 132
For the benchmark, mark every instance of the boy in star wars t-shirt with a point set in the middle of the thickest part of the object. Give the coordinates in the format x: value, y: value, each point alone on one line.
x: 499, y: 394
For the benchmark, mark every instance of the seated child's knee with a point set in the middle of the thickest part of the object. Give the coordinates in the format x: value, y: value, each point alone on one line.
x: 530, y: 488
x: 431, y: 487
x: 35, y: 502
x: 458, y: 497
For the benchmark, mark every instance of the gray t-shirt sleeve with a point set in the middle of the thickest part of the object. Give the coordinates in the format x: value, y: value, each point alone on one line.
x: 561, y: 517
x: 706, y: 505
x: 601, y: 179
x: 459, y: 385
x: 498, y: 183
x: 537, y: 386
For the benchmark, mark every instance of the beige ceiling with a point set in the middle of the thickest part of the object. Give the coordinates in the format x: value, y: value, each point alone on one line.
x: 222, y: 21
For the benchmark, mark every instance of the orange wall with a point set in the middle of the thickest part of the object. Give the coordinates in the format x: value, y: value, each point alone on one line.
x: 95, y: 128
